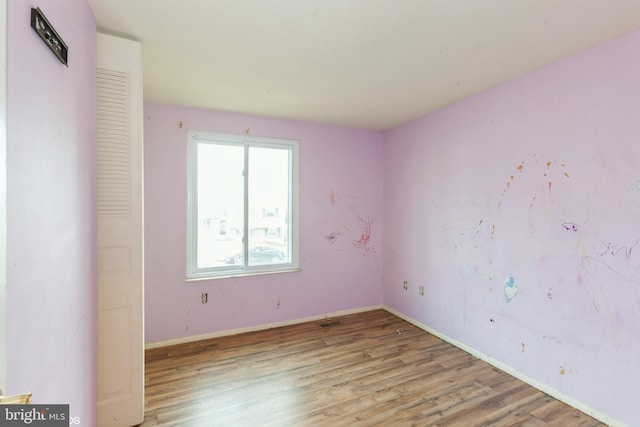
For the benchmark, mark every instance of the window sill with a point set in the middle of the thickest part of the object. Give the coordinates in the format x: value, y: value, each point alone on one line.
x: 243, y: 274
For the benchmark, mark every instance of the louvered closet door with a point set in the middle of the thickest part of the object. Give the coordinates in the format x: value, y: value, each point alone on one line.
x: 120, y: 233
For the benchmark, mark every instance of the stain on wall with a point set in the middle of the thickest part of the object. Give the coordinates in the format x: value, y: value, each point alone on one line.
x: 510, y: 289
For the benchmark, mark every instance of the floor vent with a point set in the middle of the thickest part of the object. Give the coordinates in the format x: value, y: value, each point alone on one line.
x: 330, y: 324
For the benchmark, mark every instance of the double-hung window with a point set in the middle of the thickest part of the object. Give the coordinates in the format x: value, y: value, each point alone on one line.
x: 242, y: 205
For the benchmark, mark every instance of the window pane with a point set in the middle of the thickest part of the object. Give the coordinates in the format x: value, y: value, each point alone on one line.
x: 220, y: 205
x: 269, y: 216
x: 241, y: 205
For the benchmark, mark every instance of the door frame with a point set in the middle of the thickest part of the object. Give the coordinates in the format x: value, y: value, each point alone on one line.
x: 3, y: 195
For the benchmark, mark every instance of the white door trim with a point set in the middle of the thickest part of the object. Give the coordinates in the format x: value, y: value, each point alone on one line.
x: 3, y: 195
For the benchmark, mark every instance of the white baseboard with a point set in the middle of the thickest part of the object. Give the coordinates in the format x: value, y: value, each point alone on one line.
x: 505, y: 368
x: 509, y: 370
x: 263, y: 327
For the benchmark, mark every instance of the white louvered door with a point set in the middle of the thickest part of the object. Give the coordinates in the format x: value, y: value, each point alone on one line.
x: 120, y: 233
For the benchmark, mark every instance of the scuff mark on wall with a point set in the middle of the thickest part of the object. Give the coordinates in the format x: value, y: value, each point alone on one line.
x: 335, y: 198
x: 635, y: 186
x: 332, y: 237
x: 569, y: 226
x: 563, y: 370
x: 467, y: 230
x: 510, y: 288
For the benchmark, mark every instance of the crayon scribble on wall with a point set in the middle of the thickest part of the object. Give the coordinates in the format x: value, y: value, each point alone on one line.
x: 364, y: 242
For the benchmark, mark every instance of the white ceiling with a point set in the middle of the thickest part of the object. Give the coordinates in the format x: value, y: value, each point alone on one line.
x: 369, y: 64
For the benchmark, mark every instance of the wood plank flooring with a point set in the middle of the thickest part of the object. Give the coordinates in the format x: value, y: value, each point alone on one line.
x: 371, y: 369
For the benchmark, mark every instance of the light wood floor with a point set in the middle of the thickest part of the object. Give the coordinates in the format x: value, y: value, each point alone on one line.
x: 372, y: 369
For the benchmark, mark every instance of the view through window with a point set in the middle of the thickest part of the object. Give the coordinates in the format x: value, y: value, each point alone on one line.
x: 242, y: 205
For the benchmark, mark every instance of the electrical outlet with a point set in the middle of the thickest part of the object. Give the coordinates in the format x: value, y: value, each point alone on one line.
x: 405, y: 285
x: 204, y: 298
x: 421, y: 290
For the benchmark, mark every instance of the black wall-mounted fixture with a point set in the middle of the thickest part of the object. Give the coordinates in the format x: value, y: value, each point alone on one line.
x: 46, y: 32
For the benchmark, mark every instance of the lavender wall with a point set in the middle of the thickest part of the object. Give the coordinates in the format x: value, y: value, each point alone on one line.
x: 340, y: 191
x: 518, y: 211
x: 51, y: 237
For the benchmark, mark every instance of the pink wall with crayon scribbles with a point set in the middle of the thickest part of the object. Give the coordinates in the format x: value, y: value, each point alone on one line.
x: 340, y: 230
x: 518, y: 211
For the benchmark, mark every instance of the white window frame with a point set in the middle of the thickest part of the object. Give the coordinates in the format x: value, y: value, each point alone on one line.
x: 246, y: 141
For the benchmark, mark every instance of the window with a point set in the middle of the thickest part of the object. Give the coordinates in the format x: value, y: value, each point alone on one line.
x: 242, y: 205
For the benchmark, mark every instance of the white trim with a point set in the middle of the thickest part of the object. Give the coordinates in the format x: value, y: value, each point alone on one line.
x: 263, y: 327
x: 509, y: 370
x: 3, y: 195
x: 252, y: 273
x: 246, y: 142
